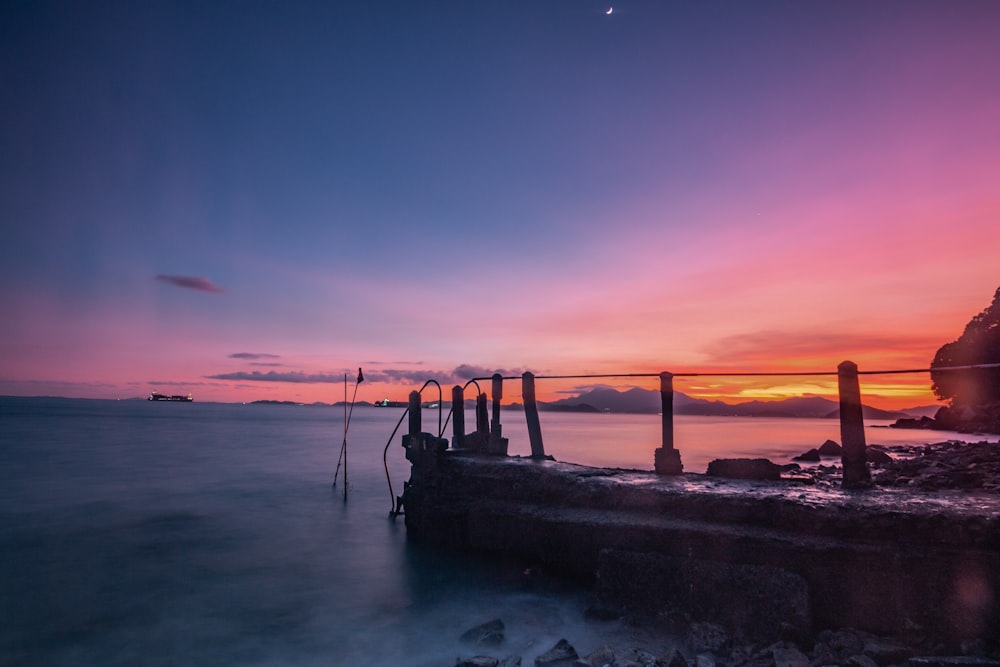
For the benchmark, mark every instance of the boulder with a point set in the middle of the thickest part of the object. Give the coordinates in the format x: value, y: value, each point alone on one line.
x: 477, y: 661
x: 789, y: 657
x: 876, y: 455
x: 562, y: 653
x: 600, y: 658
x: 830, y: 448
x: 811, y: 455
x: 489, y: 633
x: 744, y: 469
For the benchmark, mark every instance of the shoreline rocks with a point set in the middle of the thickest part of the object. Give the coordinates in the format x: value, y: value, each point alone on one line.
x: 700, y: 644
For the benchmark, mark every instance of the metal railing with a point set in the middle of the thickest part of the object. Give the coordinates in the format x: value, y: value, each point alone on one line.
x: 488, y: 436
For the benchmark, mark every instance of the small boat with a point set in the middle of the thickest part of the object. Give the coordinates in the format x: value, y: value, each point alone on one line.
x: 163, y: 397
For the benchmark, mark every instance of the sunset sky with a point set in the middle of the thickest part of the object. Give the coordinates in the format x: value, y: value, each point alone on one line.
x: 247, y: 200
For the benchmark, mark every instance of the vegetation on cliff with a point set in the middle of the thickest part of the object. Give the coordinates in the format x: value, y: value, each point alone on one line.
x: 974, y: 394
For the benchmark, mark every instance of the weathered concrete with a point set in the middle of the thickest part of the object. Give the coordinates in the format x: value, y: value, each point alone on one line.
x: 887, y: 561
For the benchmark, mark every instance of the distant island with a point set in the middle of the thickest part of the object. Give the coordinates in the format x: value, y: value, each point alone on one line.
x: 647, y: 401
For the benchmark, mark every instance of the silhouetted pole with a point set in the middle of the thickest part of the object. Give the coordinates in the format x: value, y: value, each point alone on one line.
x: 414, y: 410
x: 854, y: 455
x: 482, y: 415
x: 458, y: 417
x: 495, y: 428
x: 667, y: 460
x: 531, y: 415
x: 667, y: 409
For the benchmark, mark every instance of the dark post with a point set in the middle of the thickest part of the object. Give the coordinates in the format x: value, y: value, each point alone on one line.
x: 852, y: 427
x: 667, y: 408
x: 482, y: 415
x: 531, y: 415
x: 495, y: 428
x: 458, y: 417
x: 414, y: 408
x: 667, y: 460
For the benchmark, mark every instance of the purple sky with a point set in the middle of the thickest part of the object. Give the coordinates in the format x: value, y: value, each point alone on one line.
x: 247, y: 199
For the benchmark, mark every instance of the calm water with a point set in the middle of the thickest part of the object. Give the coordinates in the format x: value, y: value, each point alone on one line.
x: 136, y: 533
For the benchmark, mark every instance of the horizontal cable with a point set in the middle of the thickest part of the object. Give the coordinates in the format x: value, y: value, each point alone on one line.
x: 592, y: 376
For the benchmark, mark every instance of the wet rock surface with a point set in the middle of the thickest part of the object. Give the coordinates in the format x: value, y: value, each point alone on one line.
x: 945, y: 465
x: 672, y: 641
x: 942, y: 466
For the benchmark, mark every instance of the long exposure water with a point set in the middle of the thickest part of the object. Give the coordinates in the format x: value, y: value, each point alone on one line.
x: 138, y: 533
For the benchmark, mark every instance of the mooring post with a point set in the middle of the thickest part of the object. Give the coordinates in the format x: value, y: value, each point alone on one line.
x: 495, y: 427
x: 482, y: 415
x: 458, y: 417
x: 667, y: 460
x: 414, y: 410
x: 854, y: 455
x: 531, y: 415
x: 497, y: 444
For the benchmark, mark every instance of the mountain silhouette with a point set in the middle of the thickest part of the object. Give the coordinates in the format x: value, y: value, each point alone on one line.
x: 647, y: 401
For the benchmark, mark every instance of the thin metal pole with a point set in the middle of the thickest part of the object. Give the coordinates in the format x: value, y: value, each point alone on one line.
x: 345, y: 437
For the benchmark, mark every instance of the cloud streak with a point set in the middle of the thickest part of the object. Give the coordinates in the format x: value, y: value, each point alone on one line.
x: 253, y: 355
x: 191, y: 282
x: 458, y: 375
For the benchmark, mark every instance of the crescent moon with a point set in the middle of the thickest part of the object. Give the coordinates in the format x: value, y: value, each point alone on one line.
x: 610, y: 9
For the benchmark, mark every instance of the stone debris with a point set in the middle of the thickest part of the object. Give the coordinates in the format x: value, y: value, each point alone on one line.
x: 562, y: 653
x: 944, y: 465
x: 709, y: 645
x: 949, y: 465
x: 490, y: 633
x: 744, y: 469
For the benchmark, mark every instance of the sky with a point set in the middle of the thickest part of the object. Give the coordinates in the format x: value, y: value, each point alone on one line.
x: 251, y: 200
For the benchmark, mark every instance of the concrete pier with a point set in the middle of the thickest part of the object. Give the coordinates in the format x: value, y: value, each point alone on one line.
x: 752, y: 555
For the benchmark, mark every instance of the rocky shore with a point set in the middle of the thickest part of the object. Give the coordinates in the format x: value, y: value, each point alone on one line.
x: 942, y: 466
x: 686, y: 644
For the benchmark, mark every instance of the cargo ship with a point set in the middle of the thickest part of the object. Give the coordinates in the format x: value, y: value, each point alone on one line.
x: 163, y: 397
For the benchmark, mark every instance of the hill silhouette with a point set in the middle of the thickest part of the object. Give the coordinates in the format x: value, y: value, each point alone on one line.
x: 647, y: 401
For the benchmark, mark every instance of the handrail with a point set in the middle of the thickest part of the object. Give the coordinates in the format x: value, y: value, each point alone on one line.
x: 396, y: 506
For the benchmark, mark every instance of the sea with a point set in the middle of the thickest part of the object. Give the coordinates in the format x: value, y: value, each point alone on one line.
x: 159, y: 533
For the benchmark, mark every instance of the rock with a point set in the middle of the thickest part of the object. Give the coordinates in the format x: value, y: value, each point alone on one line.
x: 707, y: 637
x: 811, y: 455
x: 886, y: 652
x: 744, y: 469
x: 830, y: 448
x: 789, y: 657
x: 562, y: 653
x: 477, y: 661
x: 861, y: 660
x: 511, y: 661
x: 636, y: 657
x: 951, y: 661
x: 672, y: 658
x: 876, y: 455
x: 602, y: 657
x: 490, y: 633
x: 705, y: 660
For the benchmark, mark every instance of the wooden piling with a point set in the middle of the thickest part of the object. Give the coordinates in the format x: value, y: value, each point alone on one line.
x: 495, y: 426
x: 482, y: 415
x: 854, y: 456
x: 531, y: 415
x: 414, y: 413
x: 667, y: 460
x: 458, y: 417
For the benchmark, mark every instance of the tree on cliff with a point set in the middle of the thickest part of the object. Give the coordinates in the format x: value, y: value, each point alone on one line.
x: 978, y: 344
